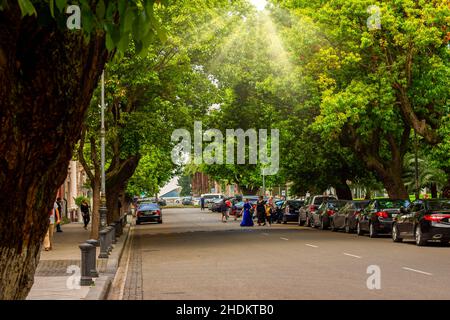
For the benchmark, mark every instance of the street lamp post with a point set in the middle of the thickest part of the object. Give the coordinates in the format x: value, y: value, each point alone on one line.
x: 103, y: 209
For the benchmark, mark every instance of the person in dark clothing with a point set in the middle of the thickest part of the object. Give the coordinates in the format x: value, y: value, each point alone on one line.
x: 202, y: 203
x: 85, y: 213
x: 58, y: 224
x: 224, y: 210
x: 261, y: 211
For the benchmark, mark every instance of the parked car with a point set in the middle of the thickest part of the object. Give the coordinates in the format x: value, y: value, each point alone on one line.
x: 292, y: 207
x: 311, y: 205
x: 279, y: 210
x: 423, y: 221
x: 378, y: 216
x: 149, y: 212
x: 237, y: 208
x: 210, y: 198
x: 322, y: 216
x: 187, y: 201
x: 346, y: 217
x: 215, y: 205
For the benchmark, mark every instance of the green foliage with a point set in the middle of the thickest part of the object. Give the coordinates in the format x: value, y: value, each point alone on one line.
x: 79, y: 200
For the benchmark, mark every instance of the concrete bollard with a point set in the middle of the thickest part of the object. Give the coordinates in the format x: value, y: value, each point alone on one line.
x: 104, y: 245
x: 109, y: 238
x: 92, y: 260
x: 86, y: 278
x: 119, y: 228
x: 113, y: 231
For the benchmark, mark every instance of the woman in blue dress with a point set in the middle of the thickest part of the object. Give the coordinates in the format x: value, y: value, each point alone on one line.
x: 247, y: 220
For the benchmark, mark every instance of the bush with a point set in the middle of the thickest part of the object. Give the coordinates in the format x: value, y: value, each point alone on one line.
x: 79, y: 200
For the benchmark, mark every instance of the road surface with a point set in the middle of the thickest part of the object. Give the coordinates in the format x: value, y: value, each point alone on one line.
x: 193, y: 255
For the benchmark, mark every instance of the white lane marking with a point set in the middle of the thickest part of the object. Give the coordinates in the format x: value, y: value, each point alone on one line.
x: 351, y: 255
x: 284, y: 239
x: 311, y: 245
x: 418, y: 271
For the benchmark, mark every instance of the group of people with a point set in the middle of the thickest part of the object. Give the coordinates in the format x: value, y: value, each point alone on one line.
x: 55, y: 221
x: 264, y: 210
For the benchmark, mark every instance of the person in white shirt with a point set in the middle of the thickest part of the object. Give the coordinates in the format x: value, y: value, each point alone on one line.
x: 53, y: 217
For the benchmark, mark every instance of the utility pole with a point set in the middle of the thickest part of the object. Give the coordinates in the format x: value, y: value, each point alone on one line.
x: 264, y: 185
x: 103, y: 209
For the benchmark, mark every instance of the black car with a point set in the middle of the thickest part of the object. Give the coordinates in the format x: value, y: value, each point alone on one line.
x: 216, y: 205
x: 188, y: 201
x: 149, y: 212
x: 322, y: 216
x: 280, y: 206
x: 311, y: 205
x: 424, y: 220
x: 291, y: 210
x: 378, y: 216
x: 346, y: 217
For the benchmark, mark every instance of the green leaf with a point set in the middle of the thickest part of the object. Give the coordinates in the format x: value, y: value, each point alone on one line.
x: 27, y: 8
x: 101, y: 9
x: 61, y: 4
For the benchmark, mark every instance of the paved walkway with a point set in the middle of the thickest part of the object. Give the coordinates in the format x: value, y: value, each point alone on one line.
x: 56, y: 274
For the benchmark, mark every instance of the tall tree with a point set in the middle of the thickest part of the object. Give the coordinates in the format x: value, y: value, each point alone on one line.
x: 47, y: 76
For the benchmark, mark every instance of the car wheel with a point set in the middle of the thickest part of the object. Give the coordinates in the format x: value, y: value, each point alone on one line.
x: 359, y: 231
x: 419, y: 237
x: 372, y: 232
x: 347, y: 227
x: 322, y: 225
x: 396, y: 234
x: 160, y: 221
x: 332, y: 227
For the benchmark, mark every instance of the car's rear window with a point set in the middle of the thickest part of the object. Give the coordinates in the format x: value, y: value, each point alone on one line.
x: 295, y: 204
x: 392, y: 204
x: 361, y: 205
x: 336, y: 204
x: 439, y: 205
x: 320, y: 200
x: 148, y: 207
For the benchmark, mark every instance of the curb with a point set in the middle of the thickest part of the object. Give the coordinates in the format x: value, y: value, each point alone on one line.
x: 103, y: 283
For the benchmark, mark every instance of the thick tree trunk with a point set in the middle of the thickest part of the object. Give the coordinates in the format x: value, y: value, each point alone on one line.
x: 248, y: 190
x: 47, y: 77
x: 116, y: 179
x: 343, y: 191
x: 433, y: 189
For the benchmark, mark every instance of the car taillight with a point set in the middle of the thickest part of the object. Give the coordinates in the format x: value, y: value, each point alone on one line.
x: 435, y: 217
x: 330, y: 212
x: 157, y: 212
x: 382, y: 214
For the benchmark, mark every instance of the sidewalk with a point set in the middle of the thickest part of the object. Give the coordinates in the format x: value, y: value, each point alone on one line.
x: 57, y: 274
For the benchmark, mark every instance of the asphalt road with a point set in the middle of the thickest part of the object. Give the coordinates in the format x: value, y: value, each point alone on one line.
x: 193, y: 255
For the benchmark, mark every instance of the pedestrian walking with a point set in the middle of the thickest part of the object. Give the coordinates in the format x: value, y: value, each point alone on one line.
x: 202, y: 203
x: 224, y: 210
x: 85, y: 213
x: 229, y: 205
x: 53, y: 218
x: 247, y: 219
x: 59, y: 204
x: 261, y: 211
